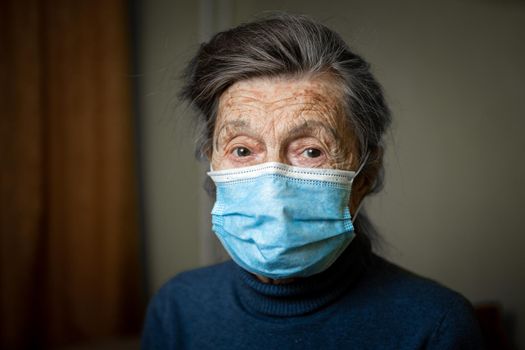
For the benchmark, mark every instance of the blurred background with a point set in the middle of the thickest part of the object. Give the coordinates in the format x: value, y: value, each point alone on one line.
x: 102, y: 200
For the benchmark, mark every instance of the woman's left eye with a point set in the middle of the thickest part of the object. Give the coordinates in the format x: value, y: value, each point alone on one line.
x: 312, y: 153
x: 242, y: 152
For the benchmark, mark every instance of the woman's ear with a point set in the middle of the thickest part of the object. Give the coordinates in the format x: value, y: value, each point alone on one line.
x: 364, y: 183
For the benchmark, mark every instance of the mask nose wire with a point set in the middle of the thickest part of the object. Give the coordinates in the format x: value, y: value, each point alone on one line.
x: 363, y: 163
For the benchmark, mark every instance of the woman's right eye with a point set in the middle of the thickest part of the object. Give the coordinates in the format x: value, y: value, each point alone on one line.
x: 241, y: 152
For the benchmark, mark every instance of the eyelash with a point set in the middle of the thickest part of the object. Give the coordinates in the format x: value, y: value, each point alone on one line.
x: 236, y: 150
x: 308, y: 152
x: 244, y: 152
x: 305, y: 151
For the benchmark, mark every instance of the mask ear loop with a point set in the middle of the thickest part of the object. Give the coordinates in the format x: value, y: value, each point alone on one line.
x: 363, y: 163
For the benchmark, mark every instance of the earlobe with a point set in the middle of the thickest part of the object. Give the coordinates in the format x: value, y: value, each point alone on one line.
x: 359, y: 191
x: 366, y: 180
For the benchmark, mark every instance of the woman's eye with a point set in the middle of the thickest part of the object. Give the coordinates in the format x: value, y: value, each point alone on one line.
x: 242, y: 152
x: 312, y: 152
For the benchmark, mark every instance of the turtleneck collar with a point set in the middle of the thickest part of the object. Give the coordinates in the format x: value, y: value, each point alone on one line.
x: 304, y: 295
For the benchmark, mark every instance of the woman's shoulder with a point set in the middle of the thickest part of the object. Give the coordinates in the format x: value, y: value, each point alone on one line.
x: 188, y: 295
x: 196, y: 283
x: 407, y: 301
x: 403, y: 285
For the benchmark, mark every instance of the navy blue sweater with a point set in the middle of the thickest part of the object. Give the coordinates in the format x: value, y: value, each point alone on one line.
x: 360, y: 302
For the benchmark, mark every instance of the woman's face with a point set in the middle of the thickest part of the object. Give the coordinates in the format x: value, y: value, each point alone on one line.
x: 298, y: 122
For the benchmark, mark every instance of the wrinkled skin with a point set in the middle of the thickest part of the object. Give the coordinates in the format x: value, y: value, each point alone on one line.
x: 299, y: 122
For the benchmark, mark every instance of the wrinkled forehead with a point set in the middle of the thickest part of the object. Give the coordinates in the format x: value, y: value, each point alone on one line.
x: 284, y: 101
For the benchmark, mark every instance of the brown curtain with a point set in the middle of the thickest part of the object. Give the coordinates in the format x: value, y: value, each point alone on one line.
x: 68, y: 221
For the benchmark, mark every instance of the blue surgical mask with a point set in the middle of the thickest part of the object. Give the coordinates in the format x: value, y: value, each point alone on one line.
x: 281, y: 221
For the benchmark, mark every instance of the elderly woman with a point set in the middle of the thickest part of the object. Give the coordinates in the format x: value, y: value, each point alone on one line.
x: 293, y: 125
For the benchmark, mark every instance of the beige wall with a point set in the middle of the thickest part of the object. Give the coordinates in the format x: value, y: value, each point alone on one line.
x: 454, y: 76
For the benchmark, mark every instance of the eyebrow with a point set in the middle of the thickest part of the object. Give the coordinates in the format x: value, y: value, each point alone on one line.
x: 232, y: 124
x: 308, y: 127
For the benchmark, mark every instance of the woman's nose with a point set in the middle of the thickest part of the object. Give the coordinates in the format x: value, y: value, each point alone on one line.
x: 276, y: 154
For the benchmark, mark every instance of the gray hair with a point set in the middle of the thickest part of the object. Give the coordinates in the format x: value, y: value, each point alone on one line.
x: 295, y: 46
